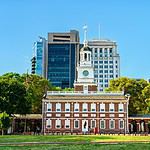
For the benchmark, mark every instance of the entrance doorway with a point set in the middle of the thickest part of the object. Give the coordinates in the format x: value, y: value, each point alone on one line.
x: 84, y: 126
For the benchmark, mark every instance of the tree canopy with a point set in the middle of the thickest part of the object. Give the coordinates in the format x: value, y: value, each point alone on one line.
x: 22, y: 94
x: 139, y: 91
x: 5, y: 122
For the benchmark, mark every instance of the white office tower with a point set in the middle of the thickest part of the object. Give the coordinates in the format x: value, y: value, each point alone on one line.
x: 106, y: 62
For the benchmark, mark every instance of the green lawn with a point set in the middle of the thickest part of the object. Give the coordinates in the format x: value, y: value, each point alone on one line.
x: 80, y: 147
x: 88, y: 145
x: 70, y: 138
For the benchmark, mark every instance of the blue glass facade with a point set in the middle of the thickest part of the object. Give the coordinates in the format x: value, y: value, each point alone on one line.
x: 61, y: 64
x: 39, y: 57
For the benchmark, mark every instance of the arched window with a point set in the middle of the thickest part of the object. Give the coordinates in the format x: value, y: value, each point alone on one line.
x: 67, y: 107
x: 85, y: 56
x: 76, y: 107
x: 84, y: 107
x: 93, y: 107
x: 58, y: 107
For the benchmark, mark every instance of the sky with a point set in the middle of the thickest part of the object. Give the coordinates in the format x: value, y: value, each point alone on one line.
x: 125, y: 21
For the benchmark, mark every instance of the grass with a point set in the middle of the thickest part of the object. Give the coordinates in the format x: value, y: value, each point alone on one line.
x: 71, y: 138
x: 13, y: 139
x: 80, y: 147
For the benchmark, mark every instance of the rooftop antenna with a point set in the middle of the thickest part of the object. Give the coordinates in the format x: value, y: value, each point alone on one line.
x: 85, y: 35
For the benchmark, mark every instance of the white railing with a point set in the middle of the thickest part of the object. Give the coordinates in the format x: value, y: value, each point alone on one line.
x: 82, y: 93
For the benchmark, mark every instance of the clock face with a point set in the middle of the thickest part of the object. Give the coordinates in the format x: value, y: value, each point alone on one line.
x: 85, y: 73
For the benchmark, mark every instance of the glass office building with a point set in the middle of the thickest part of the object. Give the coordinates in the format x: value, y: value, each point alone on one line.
x: 38, y: 60
x: 63, y: 50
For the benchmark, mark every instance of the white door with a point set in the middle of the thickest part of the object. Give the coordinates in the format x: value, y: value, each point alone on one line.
x: 84, y: 125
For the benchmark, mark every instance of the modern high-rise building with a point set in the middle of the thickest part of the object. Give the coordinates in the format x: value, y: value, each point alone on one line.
x: 106, y: 61
x: 62, y: 58
x: 38, y: 60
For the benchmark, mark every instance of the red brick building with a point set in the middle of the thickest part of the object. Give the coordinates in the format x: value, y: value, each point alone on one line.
x: 85, y: 110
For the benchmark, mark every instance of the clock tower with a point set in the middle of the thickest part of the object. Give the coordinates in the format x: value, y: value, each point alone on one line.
x: 85, y: 72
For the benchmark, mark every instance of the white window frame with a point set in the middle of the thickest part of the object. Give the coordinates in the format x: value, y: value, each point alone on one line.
x: 58, y: 107
x: 48, y: 123
x: 76, y: 107
x: 49, y: 107
x: 67, y: 107
x: 78, y: 124
x: 121, y: 107
x: 93, y: 107
x: 101, y: 124
x: 58, y: 122
x: 120, y: 124
x: 94, y: 123
x: 84, y: 107
x: 111, y: 107
x: 67, y: 123
x: 102, y: 107
x: 110, y: 124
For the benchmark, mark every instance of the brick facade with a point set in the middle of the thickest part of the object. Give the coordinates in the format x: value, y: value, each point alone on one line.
x: 87, y: 116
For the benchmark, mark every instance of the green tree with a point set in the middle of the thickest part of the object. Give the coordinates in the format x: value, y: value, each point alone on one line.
x: 5, y: 122
x: 36, y: 87
x: 146, y: 95
x: 13, y: 95
x: 133, y: 87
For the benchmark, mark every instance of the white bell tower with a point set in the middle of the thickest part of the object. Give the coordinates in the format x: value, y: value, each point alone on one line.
x: 85, y: 71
